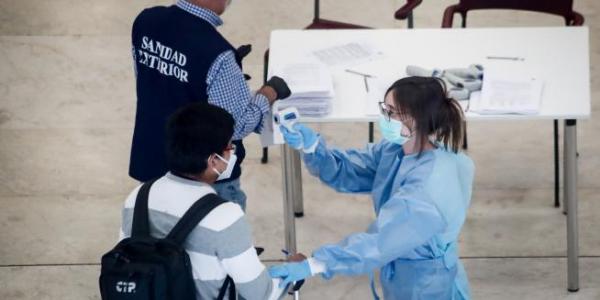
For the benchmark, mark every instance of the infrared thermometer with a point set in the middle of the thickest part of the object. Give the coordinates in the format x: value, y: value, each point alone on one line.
x: 287, y: 118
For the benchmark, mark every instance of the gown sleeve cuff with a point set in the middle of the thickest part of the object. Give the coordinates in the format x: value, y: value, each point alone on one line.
x: 313, y: 147
x: 316, y: 266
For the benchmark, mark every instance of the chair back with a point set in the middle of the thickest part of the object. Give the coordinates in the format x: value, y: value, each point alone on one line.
x: 563, y: 8
x: 555, y: 7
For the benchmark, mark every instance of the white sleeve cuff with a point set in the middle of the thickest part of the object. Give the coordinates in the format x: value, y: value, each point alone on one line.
x: 316, y: 266
x: 262, y: 102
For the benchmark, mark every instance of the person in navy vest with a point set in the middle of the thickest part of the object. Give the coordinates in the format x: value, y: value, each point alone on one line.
x: 179, y: 58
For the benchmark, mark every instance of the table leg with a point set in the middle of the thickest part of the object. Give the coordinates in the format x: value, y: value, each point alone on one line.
x: 297, y: 184
x: 289, y: 223
x: 556, y: 167
x: 570, y: 196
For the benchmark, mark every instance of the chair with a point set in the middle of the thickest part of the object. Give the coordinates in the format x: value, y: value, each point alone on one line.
x: 562, y: 8
x: 405, y: 12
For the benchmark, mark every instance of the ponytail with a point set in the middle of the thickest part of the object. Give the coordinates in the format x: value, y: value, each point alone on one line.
x: 450, y: 129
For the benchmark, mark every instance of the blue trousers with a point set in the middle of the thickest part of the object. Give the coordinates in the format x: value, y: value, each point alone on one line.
x: 231, y: 191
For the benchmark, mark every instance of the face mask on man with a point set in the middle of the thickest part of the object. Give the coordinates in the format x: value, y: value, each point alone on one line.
x: 230, y: 164
x: 391, y: 130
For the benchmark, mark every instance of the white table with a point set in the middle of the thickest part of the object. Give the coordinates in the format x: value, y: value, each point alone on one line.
x: 557, y: 55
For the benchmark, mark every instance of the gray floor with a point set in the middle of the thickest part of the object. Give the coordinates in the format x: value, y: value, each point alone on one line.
x: 66, y: 112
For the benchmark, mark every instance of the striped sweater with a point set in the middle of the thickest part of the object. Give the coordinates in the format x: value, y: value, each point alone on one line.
x: 220, y: 245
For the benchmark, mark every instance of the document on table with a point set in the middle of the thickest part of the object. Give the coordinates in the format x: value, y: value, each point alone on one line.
x: 510, y: 96
x: 508, y: 88
x: 347, y: 54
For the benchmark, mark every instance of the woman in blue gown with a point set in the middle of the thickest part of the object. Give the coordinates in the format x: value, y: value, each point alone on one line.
x: 420, y: 185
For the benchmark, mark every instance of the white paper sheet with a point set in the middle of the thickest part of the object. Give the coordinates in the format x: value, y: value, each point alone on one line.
x: 307, y: 80
x: 502, y: 95
x: 347, y: 54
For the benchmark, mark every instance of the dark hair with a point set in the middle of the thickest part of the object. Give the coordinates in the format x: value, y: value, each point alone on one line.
x: 424, y: 100
x: 193, y: 133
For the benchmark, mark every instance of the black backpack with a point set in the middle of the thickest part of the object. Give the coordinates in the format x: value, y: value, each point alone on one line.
x: 142, y: 267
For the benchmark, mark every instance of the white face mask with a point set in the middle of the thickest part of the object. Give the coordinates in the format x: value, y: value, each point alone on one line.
x: 230, y: 164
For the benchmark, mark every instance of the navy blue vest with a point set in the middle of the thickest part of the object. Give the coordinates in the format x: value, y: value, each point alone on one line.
x: 173, y: 51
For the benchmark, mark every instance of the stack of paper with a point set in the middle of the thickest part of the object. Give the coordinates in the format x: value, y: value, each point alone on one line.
x: 312, y: 89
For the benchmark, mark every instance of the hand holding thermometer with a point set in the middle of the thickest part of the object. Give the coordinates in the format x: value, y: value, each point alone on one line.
x: 287, y: 117
x: 297, y: 285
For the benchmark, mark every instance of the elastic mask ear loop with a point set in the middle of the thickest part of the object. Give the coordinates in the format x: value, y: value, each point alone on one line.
x: 214, y: 169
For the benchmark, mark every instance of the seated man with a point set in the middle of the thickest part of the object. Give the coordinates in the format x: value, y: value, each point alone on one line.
x: 199, y: 152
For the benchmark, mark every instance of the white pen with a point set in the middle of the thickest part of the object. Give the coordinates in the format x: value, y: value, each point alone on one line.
x: 358, y: 73
x: 506, y: 58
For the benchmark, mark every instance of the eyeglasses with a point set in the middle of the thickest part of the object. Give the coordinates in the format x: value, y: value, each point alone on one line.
x: 386, y: 112
x: 230, y: 147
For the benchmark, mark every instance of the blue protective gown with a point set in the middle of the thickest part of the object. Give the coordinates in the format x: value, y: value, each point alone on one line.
x: 421, y: 205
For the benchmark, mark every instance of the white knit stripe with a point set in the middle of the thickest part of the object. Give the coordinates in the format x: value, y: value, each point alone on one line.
x: 206, y: 267
x: 276, y: 291
x: 165, y: 189
x: 222, y: 216
x: 244, y: 267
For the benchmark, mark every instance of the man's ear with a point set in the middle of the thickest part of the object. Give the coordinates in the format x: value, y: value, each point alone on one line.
x: 210, y: 161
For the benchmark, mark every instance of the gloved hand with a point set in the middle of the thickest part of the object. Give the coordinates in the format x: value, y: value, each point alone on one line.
x: 280, y: 87
x: 290, y: 272
x: 303, y: 138
x: 471, y: 72
x: 242, y: 51
x: 459, y: 82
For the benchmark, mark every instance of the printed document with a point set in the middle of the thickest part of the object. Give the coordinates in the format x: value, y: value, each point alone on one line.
x: 346, y: 54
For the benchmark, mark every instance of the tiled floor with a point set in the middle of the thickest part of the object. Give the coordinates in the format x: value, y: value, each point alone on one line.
x: 66, y: 113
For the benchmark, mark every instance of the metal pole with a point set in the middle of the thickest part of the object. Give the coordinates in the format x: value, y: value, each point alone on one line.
x: 289, y: 223
x: 297, y: 184
x: 570, y: 196
x: 556, y: 167
x: 410, y: 20
x: 317, y: 15
x: 292, y: 197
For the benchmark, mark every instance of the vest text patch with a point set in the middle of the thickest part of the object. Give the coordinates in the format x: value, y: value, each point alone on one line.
x: 164, y: 59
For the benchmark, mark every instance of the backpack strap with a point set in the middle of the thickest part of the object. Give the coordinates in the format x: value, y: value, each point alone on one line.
x: 189, y: 221
x: 193, y: 216
x: 227, y: 285
x: 140, y: 226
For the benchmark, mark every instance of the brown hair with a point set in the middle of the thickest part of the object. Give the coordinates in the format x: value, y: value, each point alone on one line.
x: 424, y: 100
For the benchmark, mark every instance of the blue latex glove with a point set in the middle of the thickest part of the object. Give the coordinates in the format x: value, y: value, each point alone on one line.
x: 303, y: 138
x: 290, y: 272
